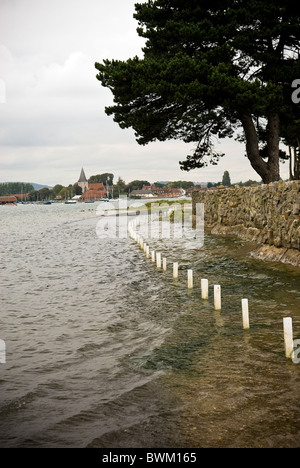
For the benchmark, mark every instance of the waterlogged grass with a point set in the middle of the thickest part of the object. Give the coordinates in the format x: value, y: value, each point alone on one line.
x: 174, y: 356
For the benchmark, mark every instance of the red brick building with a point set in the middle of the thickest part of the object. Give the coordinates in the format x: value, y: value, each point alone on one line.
x: 8, y: 200
x: 90, y: 192
x: 95, y: 192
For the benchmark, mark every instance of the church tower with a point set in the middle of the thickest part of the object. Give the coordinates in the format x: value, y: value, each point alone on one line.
x: 82, y: 182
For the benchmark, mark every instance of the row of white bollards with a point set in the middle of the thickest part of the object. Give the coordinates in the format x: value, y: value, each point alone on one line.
x: 162, y: 263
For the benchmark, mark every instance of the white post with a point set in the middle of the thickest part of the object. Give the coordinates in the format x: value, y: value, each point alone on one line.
x: 245, y: 312
x: 147, y: 251
x: 158, y: 260
x: 217, y: 297
x: 164, y: 264
x: 2, y: 352
x: 190, y: 279
x: 288, y: 337
x: 204, y: 289
x: 175, y: 270
x: 153, y: 256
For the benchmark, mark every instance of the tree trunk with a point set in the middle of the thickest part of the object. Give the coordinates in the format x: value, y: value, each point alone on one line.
x: 297, y: 162
x: 268, y: 171
x: 273, y: 146
x: 291, y: 164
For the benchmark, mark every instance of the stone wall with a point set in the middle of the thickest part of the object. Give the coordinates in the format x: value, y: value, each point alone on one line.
x: 268, y: 215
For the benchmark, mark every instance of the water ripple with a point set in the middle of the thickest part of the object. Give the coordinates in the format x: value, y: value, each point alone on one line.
x: 103, y: 350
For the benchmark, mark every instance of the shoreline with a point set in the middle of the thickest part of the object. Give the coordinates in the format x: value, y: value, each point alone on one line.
x: 268, y: 215
x: 264, y: 252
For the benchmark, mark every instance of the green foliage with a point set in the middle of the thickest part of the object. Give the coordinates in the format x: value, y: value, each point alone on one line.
x: 77, y: 189
x: 226, y: 179
x: 45, y: 194
x: 106, y: 178
x: 249, y: 183
x: 15, y: 188
x: 120, y: 186
x: 136, y: 185
x: 209, y: 68
x: 33, y: 196
x: 57, y: 188
x: 181, y: 184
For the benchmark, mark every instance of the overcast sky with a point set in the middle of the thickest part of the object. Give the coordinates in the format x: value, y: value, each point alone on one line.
x: 52, y: 119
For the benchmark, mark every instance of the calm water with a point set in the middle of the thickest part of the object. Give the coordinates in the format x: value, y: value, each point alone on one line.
x: 102, y: 350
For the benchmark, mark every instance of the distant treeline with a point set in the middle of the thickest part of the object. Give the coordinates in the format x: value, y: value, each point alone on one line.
x: 114, y: 189
x: 15, y: 188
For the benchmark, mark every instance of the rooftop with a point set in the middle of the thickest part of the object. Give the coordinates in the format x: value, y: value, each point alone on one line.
x: 82, y: 177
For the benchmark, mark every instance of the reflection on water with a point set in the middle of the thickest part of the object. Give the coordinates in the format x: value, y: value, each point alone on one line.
x: 103, y: 350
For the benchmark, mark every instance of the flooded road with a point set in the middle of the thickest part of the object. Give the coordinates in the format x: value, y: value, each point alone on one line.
x: 103, y: 350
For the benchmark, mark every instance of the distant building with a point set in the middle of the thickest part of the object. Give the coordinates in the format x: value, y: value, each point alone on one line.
x: 90, y: 192
x: 142, y: 193
x: 83, y: 182
x: 151, y: 191
x: 21, y: 196
x: 169, y: 192
x: 8, y: 200
x: 96, y: 193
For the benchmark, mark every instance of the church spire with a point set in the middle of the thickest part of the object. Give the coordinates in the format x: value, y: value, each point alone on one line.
x: 83, y: 182
x: 82, y: 177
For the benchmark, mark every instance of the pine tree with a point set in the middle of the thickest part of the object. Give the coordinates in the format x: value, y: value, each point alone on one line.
x: 226, y: 179
x: 209, y: 69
